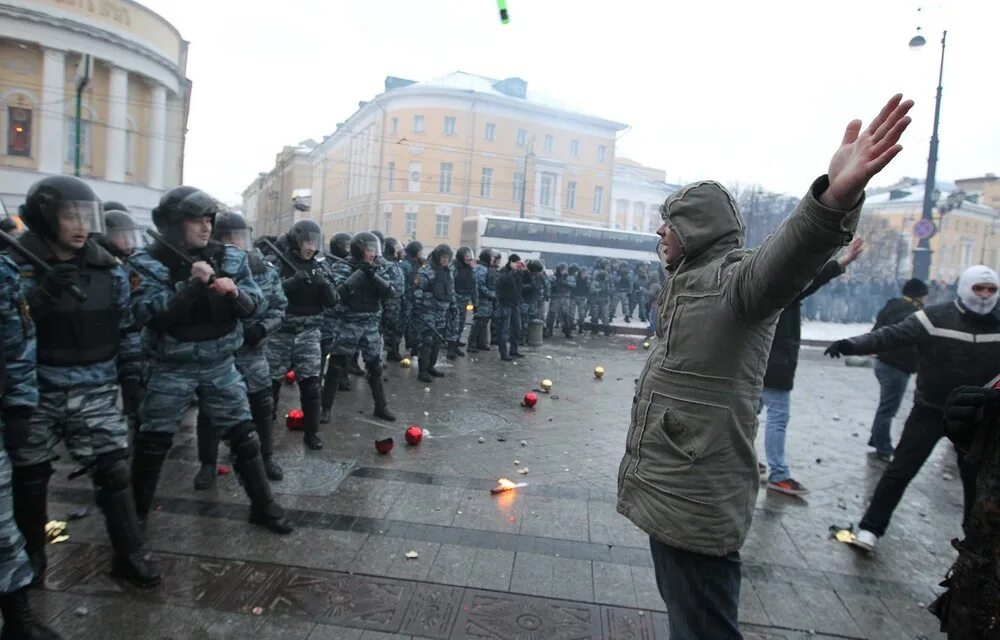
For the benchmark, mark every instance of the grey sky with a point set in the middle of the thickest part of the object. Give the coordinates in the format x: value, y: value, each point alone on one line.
x: 737, y: 91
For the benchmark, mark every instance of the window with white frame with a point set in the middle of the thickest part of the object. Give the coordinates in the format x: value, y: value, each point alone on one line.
x: 522, y: 137
x: 550, y: 142
x: 394, y: 126
x: 418, y: 124
x: 449, y: 126
x: 486, y: 183
x: 574, y: 148
x: 415, y: 169
x: 571, y: 195
x: 411, y: 223
x: 598, y: 198
x: 444, y: 182
x: 491, y: 131
x: 518, y: 191
x: 19, y: 131
x: 441, y: 225
x: 390, y: 173
x: 602, y: 153
x: 387, y: 222
x: 545, y: 188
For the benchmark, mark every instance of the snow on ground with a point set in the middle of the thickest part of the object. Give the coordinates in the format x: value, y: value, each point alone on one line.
x: 830, y: 331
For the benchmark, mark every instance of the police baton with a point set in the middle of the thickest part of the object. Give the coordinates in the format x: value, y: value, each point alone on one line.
x: 280, y: 254
x: 38, y: 263
x: 185, y: 258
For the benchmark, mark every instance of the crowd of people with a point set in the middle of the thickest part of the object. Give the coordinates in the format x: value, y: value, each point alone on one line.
x: 858, y: 299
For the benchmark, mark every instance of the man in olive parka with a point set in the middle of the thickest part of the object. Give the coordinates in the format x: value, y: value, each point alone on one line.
x: 689, y: 475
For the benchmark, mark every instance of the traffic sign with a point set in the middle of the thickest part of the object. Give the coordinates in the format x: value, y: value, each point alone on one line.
x: 924, y: 229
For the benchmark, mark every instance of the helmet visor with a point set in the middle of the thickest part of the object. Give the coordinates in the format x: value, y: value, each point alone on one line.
x: 75, y: 217
x: 126, y: 240
x: 309, y: 242
x: 239, y: 238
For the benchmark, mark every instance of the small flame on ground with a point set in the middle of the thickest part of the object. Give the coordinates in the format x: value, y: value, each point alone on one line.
x: 505, y: 483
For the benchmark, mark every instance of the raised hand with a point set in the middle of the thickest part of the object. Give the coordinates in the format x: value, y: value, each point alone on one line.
x: 863, y: 154
x: 853, y: 251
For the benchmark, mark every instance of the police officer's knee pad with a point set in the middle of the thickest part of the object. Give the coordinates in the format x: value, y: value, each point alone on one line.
x: 243, y: 441
x: 112, y: 470
x: 154, y: 442
x: 33, y: 472
x: 373, y: 369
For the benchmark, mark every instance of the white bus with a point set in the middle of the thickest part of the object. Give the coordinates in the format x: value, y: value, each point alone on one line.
x: 556, y: 242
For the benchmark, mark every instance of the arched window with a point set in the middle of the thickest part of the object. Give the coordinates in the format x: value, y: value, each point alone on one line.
x: 18, y: 107
x: 86, y: 126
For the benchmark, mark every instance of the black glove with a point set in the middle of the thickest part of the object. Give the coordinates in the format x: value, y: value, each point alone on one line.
x: 962, y: 409
x: 16, y: 427
x: 840, y: 348
x: 132, y: 394
x: 62, y: 277
x: 300, y: 279
x: 357, y: 279
x: 253, y: 334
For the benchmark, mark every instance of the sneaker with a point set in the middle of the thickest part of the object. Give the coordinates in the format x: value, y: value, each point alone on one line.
x: 866, y: 540
x: 788, y: 486
x: 761, y: 468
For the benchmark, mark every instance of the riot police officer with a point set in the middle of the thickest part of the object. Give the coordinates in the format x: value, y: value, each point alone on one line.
x: 466, y: 293
x: 190, y: 311
x: 306, y: 281
x: 230, y: 228
x: 433, y: 297
x: 411, y: 264
x: 486, y: 294
x: 361, y: 291
x: 562, y: 285
x: 580, y: 296
x: 18, y: 399
x: 86, y: 344
x: 392, y: 309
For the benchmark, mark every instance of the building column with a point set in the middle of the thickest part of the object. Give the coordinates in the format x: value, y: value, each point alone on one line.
x: 557, y: 194
x: 53, y: 135
x: 629, y: 215
x: 155, y: 137
x: 538, y: 188
x: 117, y: 137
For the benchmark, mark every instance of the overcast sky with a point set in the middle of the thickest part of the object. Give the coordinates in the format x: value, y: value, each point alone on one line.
x: 755, y: 92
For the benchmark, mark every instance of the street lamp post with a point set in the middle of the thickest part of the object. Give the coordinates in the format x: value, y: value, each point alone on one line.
x: 922, y: 252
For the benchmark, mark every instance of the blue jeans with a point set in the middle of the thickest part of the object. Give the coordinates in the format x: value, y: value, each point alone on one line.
x: 892, y: 385
x: 510, y: 329
x: 702, y: 593
x: 778, y: 404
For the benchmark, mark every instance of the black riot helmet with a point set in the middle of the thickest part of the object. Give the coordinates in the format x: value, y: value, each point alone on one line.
x: 536, y: 266
x: 364, y: 242
x: 573, y: 269
x: 122, y: 235
x: 61, y: 200
x: 114, y: 205
x: 163, y: 213
x: 464, y: 256
x: 231, y: 228
x: 391, y: 249
x: 378, y: 234
x: 561, y: 267
x: 305, y: 238
x: 486, y: 256
x: 414, y: 249
x: 440, y: 251
x: 340, y: 244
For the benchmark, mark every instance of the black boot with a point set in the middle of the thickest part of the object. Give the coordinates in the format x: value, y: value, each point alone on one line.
x: 275, y: 395
x: 354, y: 367
x: 424, y: 363
x: 208, y: 452
x: 473, y: 347
x: 392, y: 353
x: 345, y: 381
x: 309, y: 394
x: 452, y: 350
x: 260, y: 410
x: 458, y: 350
x: 19, y: 621
x: 30, y: 488
x: 264, y: 511
x: 432, y: 367
x: 378, y: 392
x: 335, y: 373
x: 150, y: 451
x: 111, y: 482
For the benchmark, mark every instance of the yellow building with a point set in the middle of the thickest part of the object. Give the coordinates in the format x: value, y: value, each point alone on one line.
x: 968, y: 233
x: 269, y: 203
x: 984, y: 190
x: 421, y: 157
x: 133, y: 112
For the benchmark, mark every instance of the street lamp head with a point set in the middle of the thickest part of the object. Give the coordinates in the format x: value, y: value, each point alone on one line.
x: 917, y: 41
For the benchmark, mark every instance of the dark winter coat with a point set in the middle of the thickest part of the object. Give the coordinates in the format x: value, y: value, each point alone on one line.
x: 784, y: 357
x: 509, y: 287
x: 894, y: 311
x: 955, y: 348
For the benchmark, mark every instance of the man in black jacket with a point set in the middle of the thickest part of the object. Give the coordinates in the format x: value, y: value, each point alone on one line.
x: 509, y: 287
x: 958, y: 344
x: 894, y: 368
x: 780, y: 375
